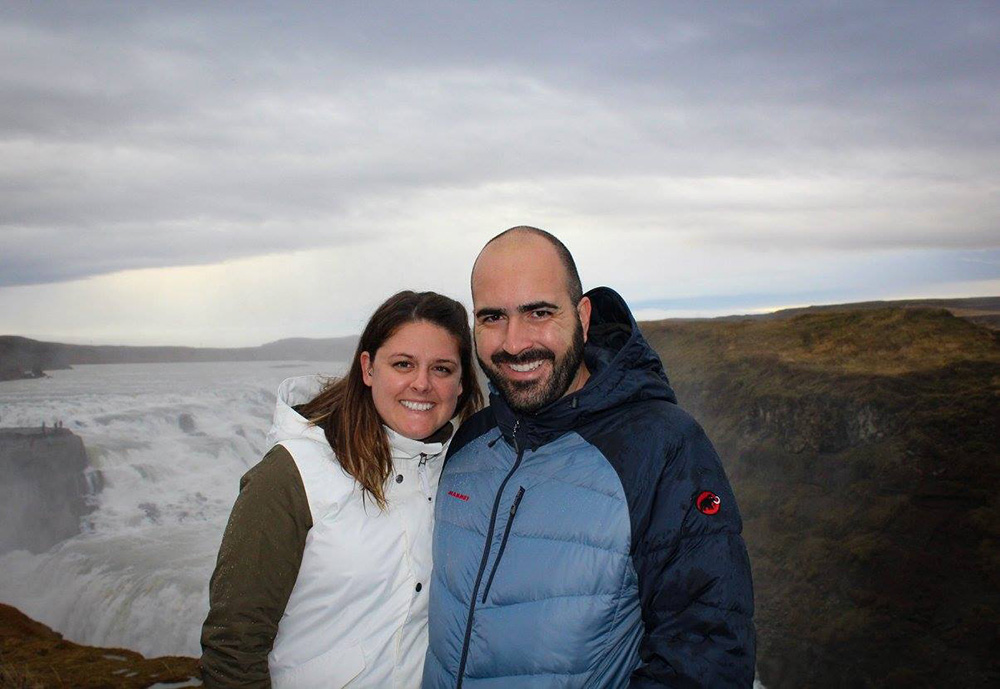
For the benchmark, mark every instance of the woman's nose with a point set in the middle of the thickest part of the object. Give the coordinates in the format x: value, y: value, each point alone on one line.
x: 421, y: 380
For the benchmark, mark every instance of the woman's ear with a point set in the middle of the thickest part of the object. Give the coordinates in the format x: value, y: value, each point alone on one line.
x: 367, y: 370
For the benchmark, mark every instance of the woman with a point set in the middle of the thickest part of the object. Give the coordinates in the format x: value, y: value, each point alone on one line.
x: 322, y: 575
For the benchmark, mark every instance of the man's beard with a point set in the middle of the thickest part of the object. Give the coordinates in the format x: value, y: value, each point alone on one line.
x: 527, y: 397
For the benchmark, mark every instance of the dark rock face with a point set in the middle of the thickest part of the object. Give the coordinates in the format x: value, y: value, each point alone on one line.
x: 864, y: 450
x: 186, y: 423
x: 43, y: 488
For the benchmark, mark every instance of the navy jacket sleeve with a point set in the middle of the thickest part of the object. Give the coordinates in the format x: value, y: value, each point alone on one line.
x: 694, y: 576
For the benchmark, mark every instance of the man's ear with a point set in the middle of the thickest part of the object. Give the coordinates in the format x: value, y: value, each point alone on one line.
x: 366, y: 362
x: 583, y: 310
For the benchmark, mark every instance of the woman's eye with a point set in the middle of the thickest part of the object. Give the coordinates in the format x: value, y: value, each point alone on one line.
x: 446, y: 370
x: 402, y: 364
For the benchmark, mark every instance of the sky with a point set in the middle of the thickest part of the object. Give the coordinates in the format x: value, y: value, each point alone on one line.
x: 229, y: 174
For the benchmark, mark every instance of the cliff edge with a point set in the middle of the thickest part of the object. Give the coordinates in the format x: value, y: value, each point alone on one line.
x: 863, y: 449
x: 33, y: 656
x: 43, y: 487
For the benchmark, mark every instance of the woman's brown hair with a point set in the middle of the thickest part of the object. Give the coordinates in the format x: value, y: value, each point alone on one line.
x: 345, y: 409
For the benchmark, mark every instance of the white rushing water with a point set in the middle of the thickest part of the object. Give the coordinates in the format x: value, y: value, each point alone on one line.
x: 137, y: 576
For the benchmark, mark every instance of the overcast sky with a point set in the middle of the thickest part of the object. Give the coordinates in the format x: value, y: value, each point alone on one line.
x: 228, y: 174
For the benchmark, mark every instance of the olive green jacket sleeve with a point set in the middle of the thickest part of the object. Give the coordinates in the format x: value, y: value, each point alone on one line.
x: 258, y: 563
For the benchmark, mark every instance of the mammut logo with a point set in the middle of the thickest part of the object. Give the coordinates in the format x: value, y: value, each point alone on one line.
x: 460, y: 496
x: 708, y: 502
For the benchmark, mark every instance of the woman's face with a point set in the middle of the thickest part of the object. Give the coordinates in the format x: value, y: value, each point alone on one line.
x: 416, y: 379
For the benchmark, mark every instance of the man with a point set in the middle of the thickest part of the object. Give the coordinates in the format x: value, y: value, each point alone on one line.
x: 586, y: 535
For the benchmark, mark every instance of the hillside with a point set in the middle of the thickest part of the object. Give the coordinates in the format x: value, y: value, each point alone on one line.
x: 980, y: 310
x: 22, y: 357
x: 863, y: 448
x: 32, y: 656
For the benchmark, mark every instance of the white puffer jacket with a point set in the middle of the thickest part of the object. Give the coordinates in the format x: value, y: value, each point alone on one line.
x: 357, y: 616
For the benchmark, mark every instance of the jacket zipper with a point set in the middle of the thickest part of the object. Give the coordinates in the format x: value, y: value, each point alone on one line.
x: 486, y: 557
x: 422, y: 472
x: 503, y: 541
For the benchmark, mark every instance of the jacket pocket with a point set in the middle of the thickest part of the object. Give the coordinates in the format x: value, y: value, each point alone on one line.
x: 503, y: 542
x: 332, y: 670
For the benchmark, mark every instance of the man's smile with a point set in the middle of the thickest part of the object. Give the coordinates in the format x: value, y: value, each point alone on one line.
x: 525, y: 368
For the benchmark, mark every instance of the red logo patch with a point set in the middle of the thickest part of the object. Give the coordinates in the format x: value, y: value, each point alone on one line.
x: 460, y: 496
x: 708, y: 502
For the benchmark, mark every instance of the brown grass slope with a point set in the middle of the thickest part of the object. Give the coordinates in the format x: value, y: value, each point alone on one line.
x: 33, y: 656
x: 863, y: 448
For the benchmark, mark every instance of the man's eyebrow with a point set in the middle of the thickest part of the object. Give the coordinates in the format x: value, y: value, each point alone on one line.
x: 536, y: 305
x: 490, y: 311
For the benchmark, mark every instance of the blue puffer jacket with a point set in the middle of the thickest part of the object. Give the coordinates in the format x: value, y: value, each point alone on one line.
x: 595, y: 543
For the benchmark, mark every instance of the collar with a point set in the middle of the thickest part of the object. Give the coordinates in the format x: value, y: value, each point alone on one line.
x: 401, y: 447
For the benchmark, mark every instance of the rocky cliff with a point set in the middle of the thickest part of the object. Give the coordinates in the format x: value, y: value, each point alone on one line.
x: 43, y: 487
x: 863, y: 449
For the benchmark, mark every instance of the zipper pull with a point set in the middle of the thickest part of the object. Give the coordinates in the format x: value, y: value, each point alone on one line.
x: 422, y: 473
x: 517, y: 501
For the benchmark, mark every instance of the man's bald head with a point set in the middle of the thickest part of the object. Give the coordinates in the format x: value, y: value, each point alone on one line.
x: 531, y: 321
x: 525, y: 235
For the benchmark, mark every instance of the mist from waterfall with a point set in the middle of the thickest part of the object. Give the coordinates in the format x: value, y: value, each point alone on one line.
x: 170, y: 442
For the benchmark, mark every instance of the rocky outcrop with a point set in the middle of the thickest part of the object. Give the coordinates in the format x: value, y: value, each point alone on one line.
x: 43, y: 487
x: 33, y: 656
x: 863, y: 449
x: 817, y: 424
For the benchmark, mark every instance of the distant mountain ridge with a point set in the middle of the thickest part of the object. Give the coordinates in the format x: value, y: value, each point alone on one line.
x: 980, y: 310
x: 21, y: 357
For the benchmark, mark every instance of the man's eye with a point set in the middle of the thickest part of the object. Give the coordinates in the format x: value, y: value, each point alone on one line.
x: 489, y: 319
x: 541, y: 313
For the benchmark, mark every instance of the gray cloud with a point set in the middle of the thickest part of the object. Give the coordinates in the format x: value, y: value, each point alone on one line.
x: 141, y: 135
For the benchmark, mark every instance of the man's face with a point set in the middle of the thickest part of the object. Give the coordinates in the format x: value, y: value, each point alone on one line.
x: 529, y: 336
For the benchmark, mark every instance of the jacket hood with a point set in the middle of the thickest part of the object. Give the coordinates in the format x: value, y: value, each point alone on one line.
x: 288, y: 424
x: 623, y: 368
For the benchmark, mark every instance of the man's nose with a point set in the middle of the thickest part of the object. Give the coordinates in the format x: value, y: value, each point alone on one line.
x: 516, y: 337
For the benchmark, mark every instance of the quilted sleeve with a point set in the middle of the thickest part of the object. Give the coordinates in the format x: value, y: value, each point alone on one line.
x: 695, y: 586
